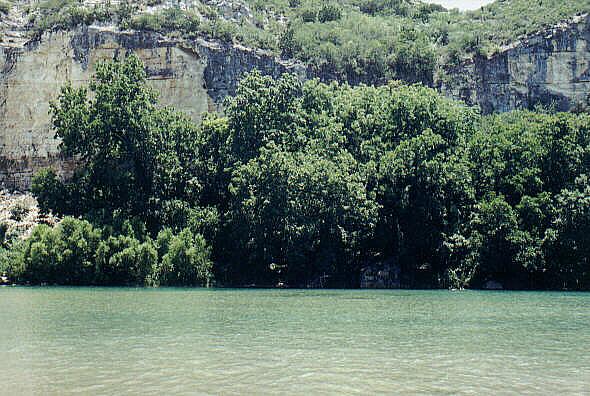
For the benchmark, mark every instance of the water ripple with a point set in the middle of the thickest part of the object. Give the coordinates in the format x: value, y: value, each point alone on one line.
x: 59, y: 341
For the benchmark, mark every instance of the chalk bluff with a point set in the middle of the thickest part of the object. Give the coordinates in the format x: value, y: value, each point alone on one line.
x: 193, y: 76
x: 551, y: 67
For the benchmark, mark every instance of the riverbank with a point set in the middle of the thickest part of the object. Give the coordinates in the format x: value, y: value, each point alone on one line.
x: 19, y: 215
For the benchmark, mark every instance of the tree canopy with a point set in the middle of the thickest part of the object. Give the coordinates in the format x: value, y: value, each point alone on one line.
x: 297, y: 181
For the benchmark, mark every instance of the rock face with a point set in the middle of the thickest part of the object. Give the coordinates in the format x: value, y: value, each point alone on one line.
x: 551, y: 67
x: 191, y: 76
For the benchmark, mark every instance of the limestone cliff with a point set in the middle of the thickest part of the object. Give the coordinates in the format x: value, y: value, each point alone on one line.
x: 193, y: 76
x: 551, y: 67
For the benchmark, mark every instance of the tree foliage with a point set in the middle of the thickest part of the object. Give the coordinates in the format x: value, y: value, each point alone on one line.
x: 75, y: 252
x: 300, y: 181
x: 136, y: 157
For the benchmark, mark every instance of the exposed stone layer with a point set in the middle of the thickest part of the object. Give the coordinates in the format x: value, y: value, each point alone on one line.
x: 550, y: 68
x: 193, y: 77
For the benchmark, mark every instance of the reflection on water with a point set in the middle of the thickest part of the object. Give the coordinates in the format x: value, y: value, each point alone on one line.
x: 172, y: 341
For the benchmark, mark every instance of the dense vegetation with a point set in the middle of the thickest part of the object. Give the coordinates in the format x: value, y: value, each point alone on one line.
x: 77, y: 253
x: 357, y: 41
x: 297, y: 181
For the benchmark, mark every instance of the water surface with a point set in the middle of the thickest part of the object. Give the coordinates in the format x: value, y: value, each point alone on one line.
x: 57, y: 341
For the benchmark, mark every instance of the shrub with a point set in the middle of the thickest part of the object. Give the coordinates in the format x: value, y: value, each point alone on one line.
x: 76, y: 253
x: 287, y: 43
x: 19, y: 211
x: 3, y: 231
x: 48, y: 189
x: 125, y: 12
x: 186, y: 260
x: 151, y: 22
x: 5, y: 7
x: 11, y: 261
x: 62, y: 255
x: 66, y: 14
x: 329, y: 12
x: 124, y: 260
x: 4, y: 262
x: 308, y: 15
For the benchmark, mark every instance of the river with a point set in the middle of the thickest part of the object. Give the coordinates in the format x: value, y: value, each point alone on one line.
x: 60, y: 341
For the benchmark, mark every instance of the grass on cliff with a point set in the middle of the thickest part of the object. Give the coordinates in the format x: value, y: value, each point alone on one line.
x: 51, y: 15
x: 363, y: 40
x: 354, y: 40
x: 485, y: 30
x: 5, y: 7
x: 360, y: 37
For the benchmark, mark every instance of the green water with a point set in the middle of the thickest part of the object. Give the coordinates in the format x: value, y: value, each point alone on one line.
x: 56, y: 341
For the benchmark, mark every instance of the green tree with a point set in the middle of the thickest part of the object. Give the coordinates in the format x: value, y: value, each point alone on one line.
x: 134, y: 156
x: 263, y: 110
x: 124, y: 260
x: 185, y: 261
x: 49, y: 191
x: 425, y: 193
x: 63, y: 255
x: 495, y: 241
x: 567, y: 242
x: 301, y: 211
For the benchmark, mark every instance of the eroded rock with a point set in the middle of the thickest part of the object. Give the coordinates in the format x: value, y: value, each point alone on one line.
x: 19, y: 214
x: 550, y: 68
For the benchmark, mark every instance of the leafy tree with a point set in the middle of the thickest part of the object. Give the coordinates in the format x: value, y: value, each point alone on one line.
x: 297, y: 181
x: 425, y: 192
x: 135, y: 156
x: 49, y: 191
x: 528, y: 158
x: 263, y: 110
x: 494, y: 239
x: 309, y: 214
x: 567, y: 241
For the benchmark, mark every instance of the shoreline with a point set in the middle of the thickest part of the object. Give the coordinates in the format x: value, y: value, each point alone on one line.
x: 269, y: 288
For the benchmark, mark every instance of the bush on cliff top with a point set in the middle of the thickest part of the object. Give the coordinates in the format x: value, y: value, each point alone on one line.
x: 349, y: 40
x: 5, y: 7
